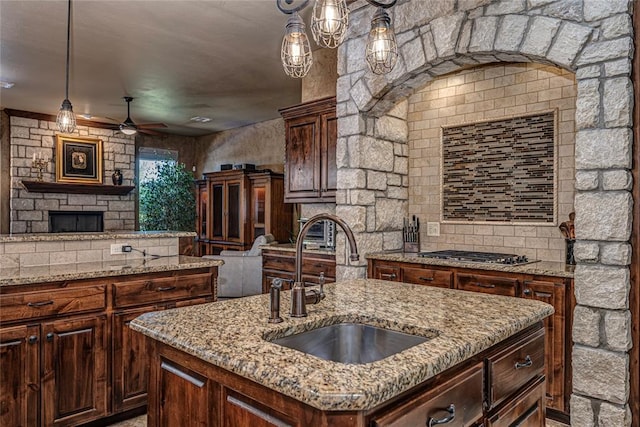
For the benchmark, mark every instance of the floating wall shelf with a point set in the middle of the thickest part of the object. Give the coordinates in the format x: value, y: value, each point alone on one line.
x: 60, y: 187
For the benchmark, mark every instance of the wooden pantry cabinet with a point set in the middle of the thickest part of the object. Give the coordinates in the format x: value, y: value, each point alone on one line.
x: 556, y: 291
x: 236, y: 206
x: 311, y: 134
x: 67, y: 354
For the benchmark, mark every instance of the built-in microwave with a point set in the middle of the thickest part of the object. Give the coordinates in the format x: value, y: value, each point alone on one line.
x: 321, y: 235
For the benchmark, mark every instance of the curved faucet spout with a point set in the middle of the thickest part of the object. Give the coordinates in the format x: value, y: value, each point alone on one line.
x: 298, y: 299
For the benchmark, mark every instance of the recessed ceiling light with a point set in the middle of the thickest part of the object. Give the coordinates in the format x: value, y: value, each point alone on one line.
x: 6, y: 85
x: 200, y: 119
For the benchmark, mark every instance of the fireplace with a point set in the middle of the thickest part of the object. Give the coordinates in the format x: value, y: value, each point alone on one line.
x: 75, y: 221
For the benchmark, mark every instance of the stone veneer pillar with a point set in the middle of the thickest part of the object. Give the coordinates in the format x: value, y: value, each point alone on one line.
x: 591, y: 38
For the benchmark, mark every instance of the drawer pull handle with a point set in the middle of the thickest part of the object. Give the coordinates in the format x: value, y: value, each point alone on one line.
x: 527, y: 362
x: 39, y: 304
x: 483, y: 285
x: 427, y: 279
x: 446, y: 420
x: 166, y: 288
x: 388, y: 275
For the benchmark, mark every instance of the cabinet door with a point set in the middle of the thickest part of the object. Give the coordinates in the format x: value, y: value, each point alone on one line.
x: 527, y: 409
x: 201, y: 210
x: 184, y: 397
x: 554, y: 294
x: 74, y: 370
x: 240, y: 410
x: 217, y: 195
x: 386, y: 272
x: 302, y: 166
x: 234, y: 211
x: 19, y: 376
x: 329, y: 169
x: 130, y: 362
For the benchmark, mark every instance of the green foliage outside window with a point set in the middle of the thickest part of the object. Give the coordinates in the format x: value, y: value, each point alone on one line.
x: 167, y: 201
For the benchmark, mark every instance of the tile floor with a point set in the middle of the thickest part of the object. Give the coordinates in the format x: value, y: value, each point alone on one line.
x: 141, y: 421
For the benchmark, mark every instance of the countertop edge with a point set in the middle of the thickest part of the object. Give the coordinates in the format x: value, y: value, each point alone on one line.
x: 47, y: 237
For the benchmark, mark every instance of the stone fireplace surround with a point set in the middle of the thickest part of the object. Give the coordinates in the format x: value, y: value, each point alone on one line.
x: 593, y: 39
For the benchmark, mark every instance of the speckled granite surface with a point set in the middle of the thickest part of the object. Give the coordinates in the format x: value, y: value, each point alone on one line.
x: 230, y: 334
x: 88, y: 270
x: 545, y: 268
x: 61, y: 237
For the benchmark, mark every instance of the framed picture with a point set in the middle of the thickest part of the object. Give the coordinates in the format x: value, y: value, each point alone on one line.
x: 78, y: 160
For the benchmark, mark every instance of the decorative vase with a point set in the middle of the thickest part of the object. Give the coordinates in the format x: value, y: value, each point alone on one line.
x: 116, y: 177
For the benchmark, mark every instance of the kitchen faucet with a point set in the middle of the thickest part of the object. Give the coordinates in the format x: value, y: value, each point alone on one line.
x: 299, y: 295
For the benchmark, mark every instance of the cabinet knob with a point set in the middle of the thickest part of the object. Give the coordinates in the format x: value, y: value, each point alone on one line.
x: 50, y: 336
x: 446, y: 420
x: 33, y: 339
x: 527, y: 291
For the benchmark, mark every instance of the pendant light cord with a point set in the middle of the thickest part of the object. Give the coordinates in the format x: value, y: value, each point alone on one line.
x: 66, y: 93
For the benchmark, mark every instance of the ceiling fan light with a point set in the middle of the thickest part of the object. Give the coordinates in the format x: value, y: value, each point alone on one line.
x: 382, y: 48
x: 128, y: 130
x: 66, y: 120
x: 329, y: 22
x: 296, y: 51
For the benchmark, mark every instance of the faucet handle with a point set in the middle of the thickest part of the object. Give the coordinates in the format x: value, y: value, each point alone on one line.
x: 321, y: 282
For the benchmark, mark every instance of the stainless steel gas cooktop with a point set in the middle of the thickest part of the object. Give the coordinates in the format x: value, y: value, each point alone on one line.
x: 470, y: 256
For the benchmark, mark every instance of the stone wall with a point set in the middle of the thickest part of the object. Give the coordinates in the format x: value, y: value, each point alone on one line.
x: 482, y: 93
x: 29, y: 211
x: 590, y: 38
x: 261, y: 144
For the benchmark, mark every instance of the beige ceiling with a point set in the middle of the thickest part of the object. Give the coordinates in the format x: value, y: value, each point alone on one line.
x: 179, y: 59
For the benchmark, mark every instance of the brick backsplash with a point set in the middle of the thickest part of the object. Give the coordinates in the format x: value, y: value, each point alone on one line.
x: 492, y: 92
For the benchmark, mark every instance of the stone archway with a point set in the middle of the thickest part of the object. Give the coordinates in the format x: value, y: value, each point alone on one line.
x: 592, y: 39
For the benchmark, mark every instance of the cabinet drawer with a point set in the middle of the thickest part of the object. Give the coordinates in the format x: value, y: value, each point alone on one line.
x: 427, y: 276
x: 463, y: 392
x: 278, y: 263
x: 137, y: 292
x: 386, y: 272
x: 32, y: 305
x: 513, y: 367
x: 487, y: 284
x: 527, y: 409
x: 315, y: 266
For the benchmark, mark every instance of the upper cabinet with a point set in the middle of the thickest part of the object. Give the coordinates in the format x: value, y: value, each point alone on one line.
x: 310, y: 167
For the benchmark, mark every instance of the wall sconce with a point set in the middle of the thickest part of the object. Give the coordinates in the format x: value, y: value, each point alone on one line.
x: 329, y: 27
x: 66, y: 120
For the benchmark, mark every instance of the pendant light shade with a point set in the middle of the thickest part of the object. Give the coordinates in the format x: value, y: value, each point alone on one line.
x: 329, y: 22
x: 296, y: 51
x: 66, y: 120
x: 382, y: 49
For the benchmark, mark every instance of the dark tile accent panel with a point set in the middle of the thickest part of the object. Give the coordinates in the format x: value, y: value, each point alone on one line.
x: 500, y: 170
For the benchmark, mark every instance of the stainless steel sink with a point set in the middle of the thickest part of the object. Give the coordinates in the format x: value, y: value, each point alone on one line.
x: 351, y: 342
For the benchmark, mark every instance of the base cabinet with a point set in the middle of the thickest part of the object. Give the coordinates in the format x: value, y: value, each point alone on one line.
x: 555, y: 291
x: 187, y: 391
x: 67, y: 354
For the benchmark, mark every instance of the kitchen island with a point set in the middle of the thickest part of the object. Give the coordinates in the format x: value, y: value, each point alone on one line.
x: 214, y: 364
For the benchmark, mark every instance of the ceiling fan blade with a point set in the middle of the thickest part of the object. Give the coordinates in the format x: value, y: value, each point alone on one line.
x: 151, y: 125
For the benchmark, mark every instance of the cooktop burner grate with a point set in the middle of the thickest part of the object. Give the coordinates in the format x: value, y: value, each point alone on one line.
x: 487, y: 257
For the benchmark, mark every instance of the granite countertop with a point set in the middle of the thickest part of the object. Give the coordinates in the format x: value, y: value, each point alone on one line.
x: 543, y: 268
x: 88, y: 270
x: 59, y: 237
x: 230, y: 334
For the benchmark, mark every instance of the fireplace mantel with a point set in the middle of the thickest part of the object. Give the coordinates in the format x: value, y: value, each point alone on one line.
x: 59, y: 187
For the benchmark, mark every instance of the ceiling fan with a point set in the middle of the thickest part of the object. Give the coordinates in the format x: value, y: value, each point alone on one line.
x: 128, y: 127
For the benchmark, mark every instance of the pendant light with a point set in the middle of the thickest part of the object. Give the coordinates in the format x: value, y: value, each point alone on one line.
x: 382, y: 49
x: 66, y: 120
x: 296, y: 53
x: 329, y: 22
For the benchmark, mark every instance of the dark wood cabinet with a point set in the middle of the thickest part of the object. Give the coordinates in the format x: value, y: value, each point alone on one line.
x: 19, y: 375
x: 310, y: 138
x: 279, y: 264
x: 74, y: 370
x: 555, y: 291
x: 202, y: 217
x: 241, y: 205
x: 67, y: 354
x: 186, y: 391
